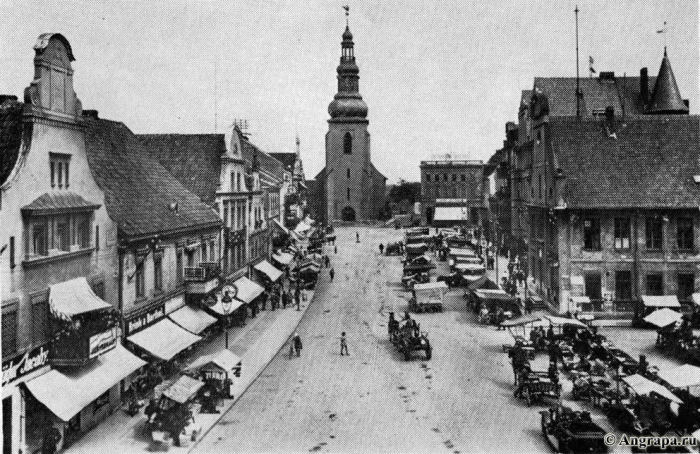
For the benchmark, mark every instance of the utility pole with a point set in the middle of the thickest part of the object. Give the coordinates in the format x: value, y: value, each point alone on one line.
x: 578, y: 92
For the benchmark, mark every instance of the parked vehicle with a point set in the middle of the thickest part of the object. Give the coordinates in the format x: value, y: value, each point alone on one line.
x: 428, y: 297
x: 572, y: 431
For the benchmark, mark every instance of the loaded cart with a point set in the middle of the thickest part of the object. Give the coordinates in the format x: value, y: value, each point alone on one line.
x: 218, y: 371
x: 173, y: 415
x: 428, y: 297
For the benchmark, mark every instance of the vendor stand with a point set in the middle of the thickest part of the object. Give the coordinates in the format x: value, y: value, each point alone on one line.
x: 218, y: 371
x: 494, y: 306
x: 428, y: 297
x: 172, y: 416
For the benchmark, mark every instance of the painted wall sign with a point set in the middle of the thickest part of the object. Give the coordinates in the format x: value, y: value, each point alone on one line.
x: 18, y: 367
x: 100, y: 343
x: 146, y: 319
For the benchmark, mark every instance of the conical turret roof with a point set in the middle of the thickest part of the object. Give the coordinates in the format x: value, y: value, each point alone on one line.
x: 666, y: 97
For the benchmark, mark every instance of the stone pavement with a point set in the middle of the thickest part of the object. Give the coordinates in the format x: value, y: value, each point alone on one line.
x: 256, y: 344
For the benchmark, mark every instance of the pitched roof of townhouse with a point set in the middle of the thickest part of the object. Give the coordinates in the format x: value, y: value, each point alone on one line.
x: 11, y: 128
x: 194, y: 159
x: 138, y: 190
x: 268, y: 164
x: 649, y: 162
x: 287, y: 159
x: 598, y: 93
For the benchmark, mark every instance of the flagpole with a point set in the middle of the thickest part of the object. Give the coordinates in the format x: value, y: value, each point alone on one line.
x: 578, y: 104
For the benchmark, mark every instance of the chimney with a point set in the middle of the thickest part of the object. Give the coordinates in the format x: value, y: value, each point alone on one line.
x: 687, y: 103
x: 4, y: 98
x: 644, y: 85
x: 90, y: 113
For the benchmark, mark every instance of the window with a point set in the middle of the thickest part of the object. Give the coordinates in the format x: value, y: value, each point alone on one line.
x: 348, y: 193
x: 347, y: 143
x: 158, y: 271
x: 9, y: 330
x: 475, y: 215
x: 140, y: 278
x: 685, y: 233
x: 444, y: 177
x: 454, y: 177
x: 82, y: 232
x: 178, y: 267
x: 38, y: 237
x: 654, y: 228
x: 233, y: 181
x: 238, y: 181
x: 686, y: 286
x: 60, y: 169
x: 539, y: 185
x: 226, y: 215
x: 591, y: 234
x: 623, y: 285
x: 212, y: 251
x: 655, y: 284
x: 539, y: 136
x: 12, y: 252
x: 464, y: 177
x: 348, y: 172
x: 622, y: 233
x: 97, y: 237
x: 40, y: 319
x: 204, y: 252
x: 61, y: 239
x: 427, y: 177
x: 591, y: 282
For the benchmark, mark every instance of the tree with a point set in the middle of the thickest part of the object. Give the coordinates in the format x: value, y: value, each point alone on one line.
x: 405, y: 190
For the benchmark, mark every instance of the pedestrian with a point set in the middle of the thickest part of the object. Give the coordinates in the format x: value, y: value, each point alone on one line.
x: 331, y: 273
x: 344, y: 344
x: 297, y: 344
x: 357, y: 236
x: 284, y: 299
x: 335, y: 249
x: 297, y: 296
x: 328, y: 262
x: 381, y: 248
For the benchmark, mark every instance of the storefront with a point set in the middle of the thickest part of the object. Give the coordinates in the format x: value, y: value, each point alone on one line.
x: 15, y: 372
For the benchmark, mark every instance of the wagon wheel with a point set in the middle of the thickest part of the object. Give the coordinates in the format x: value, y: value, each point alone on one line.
x: 527, y: 395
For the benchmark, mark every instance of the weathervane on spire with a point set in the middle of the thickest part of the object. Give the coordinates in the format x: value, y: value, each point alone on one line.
x: 663, y: 32
x: 347, y: 15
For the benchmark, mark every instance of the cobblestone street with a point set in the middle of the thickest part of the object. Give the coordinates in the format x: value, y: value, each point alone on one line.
x: 373, y: 400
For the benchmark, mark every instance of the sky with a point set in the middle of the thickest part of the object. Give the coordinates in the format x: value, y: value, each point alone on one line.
x: 438, y: 76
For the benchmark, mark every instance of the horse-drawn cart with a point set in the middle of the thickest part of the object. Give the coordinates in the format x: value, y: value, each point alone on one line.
x: 428, y: 297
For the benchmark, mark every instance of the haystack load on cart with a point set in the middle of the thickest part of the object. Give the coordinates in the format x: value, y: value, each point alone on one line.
x: 428, y: 297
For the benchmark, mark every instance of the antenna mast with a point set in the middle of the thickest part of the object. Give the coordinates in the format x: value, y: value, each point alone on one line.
x: 578, y: 92
x: 216, y: 119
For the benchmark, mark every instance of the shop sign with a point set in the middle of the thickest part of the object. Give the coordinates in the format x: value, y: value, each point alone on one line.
x: 100, y: 343
x: 146, y: 319
x: 18, y: 367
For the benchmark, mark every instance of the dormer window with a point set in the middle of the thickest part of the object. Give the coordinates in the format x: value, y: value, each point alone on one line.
x: 59, y: 164
x: 347, y: 143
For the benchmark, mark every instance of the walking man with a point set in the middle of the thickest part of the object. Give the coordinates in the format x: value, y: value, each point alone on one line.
x: 335, y: 249
x: 357, y: 235
x: 331, y: 273
x: 344, y: 345
x: 297, y: 297
x: 297, y: 344
x: 381, y: 248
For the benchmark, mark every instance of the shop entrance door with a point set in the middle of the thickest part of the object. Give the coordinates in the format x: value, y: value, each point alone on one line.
x: 7, y: 425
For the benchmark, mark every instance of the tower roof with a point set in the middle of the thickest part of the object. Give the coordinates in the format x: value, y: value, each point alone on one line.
x: 666, y: 97
x: 347, y: 35
x: 348, y: 103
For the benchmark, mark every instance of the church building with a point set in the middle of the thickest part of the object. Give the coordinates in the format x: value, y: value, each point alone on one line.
x: 349, y: 188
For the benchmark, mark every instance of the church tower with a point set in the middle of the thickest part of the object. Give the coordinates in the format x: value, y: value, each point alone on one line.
x: 351, y: 181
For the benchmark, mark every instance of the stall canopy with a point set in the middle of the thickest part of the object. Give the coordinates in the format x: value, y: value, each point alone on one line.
x: 283, y: 258
x: 663, y: 317
x: 247, y: 290
x: 225, y: 360
x: 164, y: 339
x: 561, y: 321
x: 450, y: 214
x: 270, y: 271
x: 183, y: 389
x: 492, y: 294
x: 458, y: 251
x: 642, y: 386
x: 192, y: 319
x: 483, y: 283
x: 74, y: 297
x: 219, y: 308
x: 684, y: 376
x: 524, y: 320
x: 66, y: 394
x: 660, y: 301
x: 430, y: 286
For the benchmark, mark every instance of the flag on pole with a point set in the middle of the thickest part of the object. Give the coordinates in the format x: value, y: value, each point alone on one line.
x: 590, y: 66
x: 663, y: 30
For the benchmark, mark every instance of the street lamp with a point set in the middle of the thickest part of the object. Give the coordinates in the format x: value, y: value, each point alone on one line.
x: 228, y: 293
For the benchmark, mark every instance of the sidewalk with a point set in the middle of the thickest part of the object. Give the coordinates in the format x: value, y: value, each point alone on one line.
x: 256, y: 343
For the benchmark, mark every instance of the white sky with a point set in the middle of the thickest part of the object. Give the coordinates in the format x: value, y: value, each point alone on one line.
x: 438, y: 76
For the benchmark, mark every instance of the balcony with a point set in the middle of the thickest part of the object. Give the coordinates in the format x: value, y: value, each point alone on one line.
x: 202, y: 279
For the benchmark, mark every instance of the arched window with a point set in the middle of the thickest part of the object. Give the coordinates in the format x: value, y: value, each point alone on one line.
x: 347, y: 143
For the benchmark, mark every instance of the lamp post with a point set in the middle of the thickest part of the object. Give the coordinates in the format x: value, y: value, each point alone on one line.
x: 228, y: 293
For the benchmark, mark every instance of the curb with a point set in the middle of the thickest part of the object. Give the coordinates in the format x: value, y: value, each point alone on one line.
x: 224, y: 412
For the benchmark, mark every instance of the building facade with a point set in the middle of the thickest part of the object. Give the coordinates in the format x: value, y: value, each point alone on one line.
x: 454, y: 190
x: 349, y: 188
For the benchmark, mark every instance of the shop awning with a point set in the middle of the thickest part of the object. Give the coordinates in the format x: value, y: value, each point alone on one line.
x: 642, y: 386
x: 164, y: 339
x: 283, y: 258
x: 74, y: 297
x: 66, y: 394
x: 192, y: 319
x: 279, y: 225
x: 684, y: 376
x: 663, y: 317
x: 219, y: 308
x: 225, y: 360
x: 661, y: 301
x: 269, y: 270
x: 247, y: 290
x: 183, y: 389
x: 450, y: 214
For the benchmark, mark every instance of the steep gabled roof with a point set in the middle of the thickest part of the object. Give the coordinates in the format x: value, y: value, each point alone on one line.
x: 268, y: 164
x: 194, y: 159
x: 138, y: 190
x: 287, y: 159
x: 666, y: 98
x: 649, y: 162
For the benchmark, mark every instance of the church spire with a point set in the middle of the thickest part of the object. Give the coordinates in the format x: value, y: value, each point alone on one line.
x: 666, y: 98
